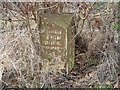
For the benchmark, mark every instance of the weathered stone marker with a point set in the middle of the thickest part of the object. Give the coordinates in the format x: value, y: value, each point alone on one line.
x: 52, y: 37
x: 56, y: 32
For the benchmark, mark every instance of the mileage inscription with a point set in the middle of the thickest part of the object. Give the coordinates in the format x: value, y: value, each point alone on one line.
x: 53, y: 39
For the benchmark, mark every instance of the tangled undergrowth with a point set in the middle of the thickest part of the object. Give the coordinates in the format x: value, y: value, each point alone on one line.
x: 96, y: 51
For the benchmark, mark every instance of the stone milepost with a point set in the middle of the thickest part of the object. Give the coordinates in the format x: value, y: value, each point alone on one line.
x: 54, y: 36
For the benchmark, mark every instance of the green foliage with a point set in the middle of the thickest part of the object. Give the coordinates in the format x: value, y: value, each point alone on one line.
x: 119, y: 36
x: 116, y: 26
x: 105, y: 87
x: 97, y: 6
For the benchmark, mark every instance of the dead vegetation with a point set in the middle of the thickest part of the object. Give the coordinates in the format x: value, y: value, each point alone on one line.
x: 96, y: 62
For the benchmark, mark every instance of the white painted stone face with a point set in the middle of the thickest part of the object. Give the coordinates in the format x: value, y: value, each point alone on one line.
x: 1, y: 71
